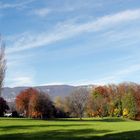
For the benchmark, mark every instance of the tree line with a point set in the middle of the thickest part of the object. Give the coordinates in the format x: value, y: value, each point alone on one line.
x: 112, y: 100
x: 122, y: 100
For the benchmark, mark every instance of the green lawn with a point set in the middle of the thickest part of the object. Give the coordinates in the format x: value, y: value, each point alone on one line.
x: 69, y: 129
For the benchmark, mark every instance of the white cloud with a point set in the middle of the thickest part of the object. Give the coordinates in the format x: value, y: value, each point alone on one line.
x: 49, y: 84
x: 20, y: 80
x: 15, y: 5
x: 119, y: 76
x: 115, y: 77
x: 70, y: 6
x: 17, y: 60
x: 66, y: 6
x: 43, y: 12
x: 115, y: 35
x: 19, y: 74
x: 64, y: 31
x: 81, y: 82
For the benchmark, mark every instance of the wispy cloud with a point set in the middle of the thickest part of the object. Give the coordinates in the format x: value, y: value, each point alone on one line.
x: 70, y: 6
x: 19, y: 71
x: 20, y: 81
x: 43, y: 12
x: 15, y: 5
x: 17, y: 60
x: 119, y: 76
x: 20, y: 78
x: 64, y: 31
x: 66, y: 6
x: 116, y: 77
x: 53, y: 83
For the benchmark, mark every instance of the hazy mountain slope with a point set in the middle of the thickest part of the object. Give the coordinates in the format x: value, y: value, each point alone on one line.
x: 54, y: 90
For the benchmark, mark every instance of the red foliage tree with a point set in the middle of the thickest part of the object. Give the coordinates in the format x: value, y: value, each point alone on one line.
x: 40, y: 106
x: 97, y: 103
x: 102, y: 90
x: 23, y: 99
x: 34, y: 103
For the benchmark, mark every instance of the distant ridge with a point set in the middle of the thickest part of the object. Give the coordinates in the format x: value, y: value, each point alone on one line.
x: 53, y: 90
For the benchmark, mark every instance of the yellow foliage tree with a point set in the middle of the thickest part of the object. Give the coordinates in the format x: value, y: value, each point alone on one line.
x: 125, y: 112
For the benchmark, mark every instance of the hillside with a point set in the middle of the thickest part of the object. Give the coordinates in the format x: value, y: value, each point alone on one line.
x: 53, y: 90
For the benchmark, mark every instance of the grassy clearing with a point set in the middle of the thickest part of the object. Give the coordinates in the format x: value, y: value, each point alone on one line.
x: 69, y: 129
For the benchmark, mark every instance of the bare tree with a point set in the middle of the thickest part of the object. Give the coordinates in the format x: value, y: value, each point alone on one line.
x: 78, y: 101
x: 2, y: 64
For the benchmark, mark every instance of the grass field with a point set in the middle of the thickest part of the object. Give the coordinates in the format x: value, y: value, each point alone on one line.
x: 69, y: 129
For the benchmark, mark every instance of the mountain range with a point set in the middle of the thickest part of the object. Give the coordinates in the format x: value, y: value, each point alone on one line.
x: 10, y: 94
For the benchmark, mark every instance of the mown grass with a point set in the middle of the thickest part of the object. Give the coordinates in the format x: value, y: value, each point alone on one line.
x: 69, y: 129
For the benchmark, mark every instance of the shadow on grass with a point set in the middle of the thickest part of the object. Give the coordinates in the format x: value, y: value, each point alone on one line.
x: 129, y: 135
x: 70, y: 134
x: 17, y: 127
x: 84, y: 134
x: 91, y: 120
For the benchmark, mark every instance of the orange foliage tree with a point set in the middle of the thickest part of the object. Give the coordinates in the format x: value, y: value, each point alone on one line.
x: 97, y: 104
x: 34, y: 103
x: 40, y: 106
x: 23, y: 99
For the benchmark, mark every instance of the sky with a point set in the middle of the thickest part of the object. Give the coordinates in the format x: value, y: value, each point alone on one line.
x: 75, y: 42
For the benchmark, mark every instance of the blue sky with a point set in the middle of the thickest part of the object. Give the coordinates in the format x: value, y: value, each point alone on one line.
x: 71, y: 41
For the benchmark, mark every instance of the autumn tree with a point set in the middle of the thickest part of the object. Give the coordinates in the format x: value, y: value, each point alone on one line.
x: 115, y: 101
x: 2, y: 64
x: 129, y: 105
x: 60, y: 107
x: 67, y: 106
x: 23, y: 100
x: 40, y: 106
x: 34, y: 103
x: 59, y: 102
x: 137, y: 99
x: 98, y: 102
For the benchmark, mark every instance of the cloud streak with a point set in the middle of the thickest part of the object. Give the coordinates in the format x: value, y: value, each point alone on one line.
x: 20, y: 81
x: 43, y: 12
x: 15, y: 5
x: 20, y: 78
x: 119, y: 75
x: 65, y: 30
